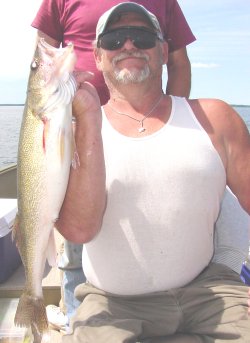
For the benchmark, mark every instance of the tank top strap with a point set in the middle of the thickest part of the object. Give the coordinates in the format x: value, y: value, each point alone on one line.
x: 182, y: 114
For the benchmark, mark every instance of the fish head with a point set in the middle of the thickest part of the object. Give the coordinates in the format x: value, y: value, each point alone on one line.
x: 50, y: 69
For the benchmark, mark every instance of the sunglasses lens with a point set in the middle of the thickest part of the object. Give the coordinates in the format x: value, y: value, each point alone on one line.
x: 115, y: 39
x: 112, y: 40
x: 144, y: 40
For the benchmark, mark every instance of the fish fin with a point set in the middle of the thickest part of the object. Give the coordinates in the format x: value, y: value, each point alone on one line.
x: 75, y: 160
x: 15, y: 228
x: 28, y: 337
x: 46, y: 127
x: 31, y: 312
x: 16, y: 236
x: 61, y: 144
x: 31, y: 337
x: 51, y: 250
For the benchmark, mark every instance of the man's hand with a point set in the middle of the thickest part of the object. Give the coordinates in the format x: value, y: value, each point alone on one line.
x: 86, y: 99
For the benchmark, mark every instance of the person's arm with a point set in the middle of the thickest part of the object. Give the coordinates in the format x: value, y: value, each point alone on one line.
x: 178, y: 35
x: 48, y: 39
x: 49, y: 21
x: 81, y: 214
x: 179, y: 73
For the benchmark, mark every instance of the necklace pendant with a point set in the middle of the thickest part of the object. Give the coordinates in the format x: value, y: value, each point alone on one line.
x: 141, y: 129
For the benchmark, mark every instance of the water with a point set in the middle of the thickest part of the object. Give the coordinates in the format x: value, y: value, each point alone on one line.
x: 10, y: 121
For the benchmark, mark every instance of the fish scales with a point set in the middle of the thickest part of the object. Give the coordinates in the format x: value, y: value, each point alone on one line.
x: 44, y: 159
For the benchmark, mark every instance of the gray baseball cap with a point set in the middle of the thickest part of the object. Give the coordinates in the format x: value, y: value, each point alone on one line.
x: 126, y: 7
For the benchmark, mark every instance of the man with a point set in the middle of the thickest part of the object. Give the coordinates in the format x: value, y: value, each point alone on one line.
x: 153, y: 170
x: 61, y: 22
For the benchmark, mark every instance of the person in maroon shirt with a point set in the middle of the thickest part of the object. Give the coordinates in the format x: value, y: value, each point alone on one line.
x: 61, y: 22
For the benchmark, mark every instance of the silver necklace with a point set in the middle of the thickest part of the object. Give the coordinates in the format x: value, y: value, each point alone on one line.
x: 141, y: 128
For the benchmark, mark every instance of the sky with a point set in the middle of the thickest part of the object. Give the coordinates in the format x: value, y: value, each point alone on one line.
x: 220, y: 57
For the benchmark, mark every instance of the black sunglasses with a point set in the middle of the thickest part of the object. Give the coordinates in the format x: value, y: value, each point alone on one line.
x: 141, y: 37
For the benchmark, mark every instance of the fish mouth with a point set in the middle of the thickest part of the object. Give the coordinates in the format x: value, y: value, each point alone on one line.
x: 52, y: 82
x: 51, y: 51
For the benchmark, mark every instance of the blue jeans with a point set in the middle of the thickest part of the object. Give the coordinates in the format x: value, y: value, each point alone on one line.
x: 71, y: 265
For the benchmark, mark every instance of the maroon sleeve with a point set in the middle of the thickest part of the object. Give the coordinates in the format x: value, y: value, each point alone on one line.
x: 179, y: 33
x: 173, y: 23
x: 48, y: 20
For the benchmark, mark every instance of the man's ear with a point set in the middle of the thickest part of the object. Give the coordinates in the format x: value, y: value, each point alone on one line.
x: 98, y: 58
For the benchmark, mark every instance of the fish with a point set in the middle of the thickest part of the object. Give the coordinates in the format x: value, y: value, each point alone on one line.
x: 45, y: 156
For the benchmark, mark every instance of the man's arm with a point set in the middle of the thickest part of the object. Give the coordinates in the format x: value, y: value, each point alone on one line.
x: 82, y: 211
x: 179, y: 73
x: 237, y: 146
x: 230, y: 137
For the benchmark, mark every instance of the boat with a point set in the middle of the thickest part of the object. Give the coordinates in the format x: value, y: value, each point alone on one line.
x: 12, y: 287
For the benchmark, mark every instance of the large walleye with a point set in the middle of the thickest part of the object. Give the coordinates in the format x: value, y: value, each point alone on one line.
x: 44, y: 159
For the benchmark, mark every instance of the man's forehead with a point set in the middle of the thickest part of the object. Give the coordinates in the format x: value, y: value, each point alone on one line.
x: 129, y: 17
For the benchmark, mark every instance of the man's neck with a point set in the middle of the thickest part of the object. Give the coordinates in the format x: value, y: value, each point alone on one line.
x: 133, y: 96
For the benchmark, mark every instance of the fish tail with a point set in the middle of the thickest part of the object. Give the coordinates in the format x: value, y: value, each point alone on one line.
x: 31, y: 312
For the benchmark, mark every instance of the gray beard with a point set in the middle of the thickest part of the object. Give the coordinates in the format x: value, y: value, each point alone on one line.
x: 127, y: 76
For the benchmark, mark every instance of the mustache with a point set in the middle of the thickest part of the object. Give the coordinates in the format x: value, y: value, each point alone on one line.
x: 124, y: 55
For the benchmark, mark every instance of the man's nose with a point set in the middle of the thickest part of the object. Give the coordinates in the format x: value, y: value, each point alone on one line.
x: 128, y: 44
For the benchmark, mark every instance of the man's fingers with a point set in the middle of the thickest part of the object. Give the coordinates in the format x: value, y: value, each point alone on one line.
x: 82, y: 76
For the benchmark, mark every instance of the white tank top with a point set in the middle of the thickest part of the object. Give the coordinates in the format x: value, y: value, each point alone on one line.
x: 164, y: 194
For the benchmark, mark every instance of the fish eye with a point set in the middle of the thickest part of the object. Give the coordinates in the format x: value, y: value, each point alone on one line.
x: 34, y: 64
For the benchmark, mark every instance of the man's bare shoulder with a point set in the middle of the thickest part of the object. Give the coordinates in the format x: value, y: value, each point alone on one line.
x: 217, y: 112
x: 208, y: 105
